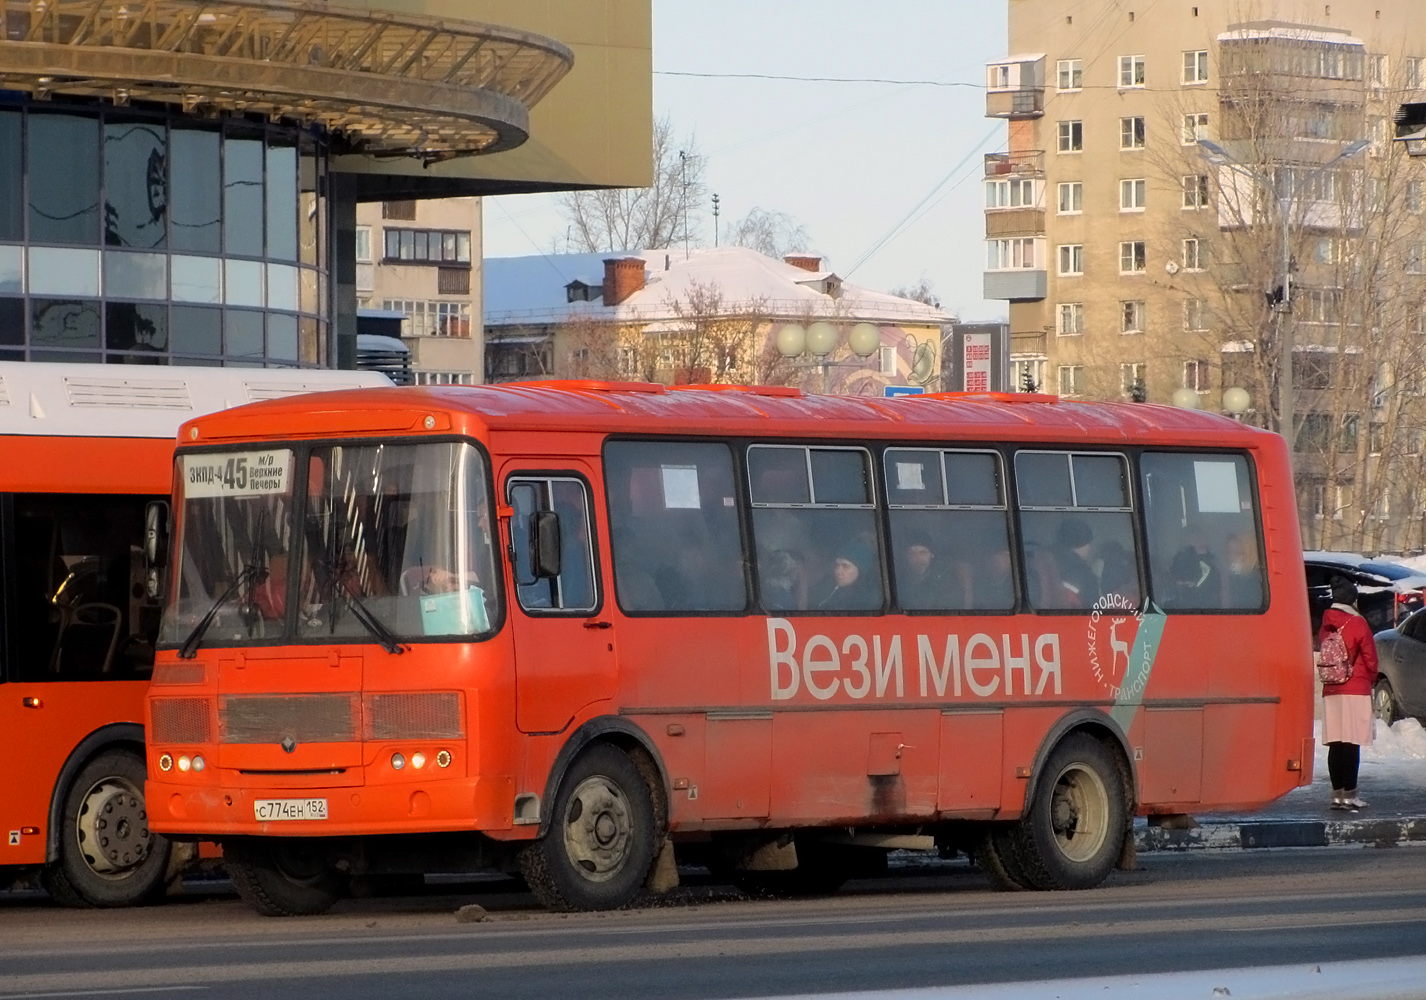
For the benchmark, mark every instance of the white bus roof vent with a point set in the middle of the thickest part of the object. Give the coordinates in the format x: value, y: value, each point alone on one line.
x: 128, y: 392
x: 258, y: 391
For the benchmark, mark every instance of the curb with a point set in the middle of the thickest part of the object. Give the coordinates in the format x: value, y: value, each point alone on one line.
x: 1283, y: 833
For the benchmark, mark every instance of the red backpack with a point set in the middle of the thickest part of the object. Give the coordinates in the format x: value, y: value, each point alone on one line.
x: 1334, y: 666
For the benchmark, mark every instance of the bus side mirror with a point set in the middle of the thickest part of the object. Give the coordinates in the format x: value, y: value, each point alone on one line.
x: 156, y: 533
x: 155, y: 547
x: 545, y: 543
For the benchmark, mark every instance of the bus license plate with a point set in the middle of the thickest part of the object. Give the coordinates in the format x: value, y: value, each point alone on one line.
x: 272, y: 810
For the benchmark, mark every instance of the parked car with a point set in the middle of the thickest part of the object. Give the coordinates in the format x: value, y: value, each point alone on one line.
x: 1388, y: 591
x: 1400, y: 690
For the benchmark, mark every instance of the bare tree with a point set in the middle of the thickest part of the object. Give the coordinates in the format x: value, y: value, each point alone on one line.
x: 652, y: 218
x: 769, y: 232
x: 922, y: 291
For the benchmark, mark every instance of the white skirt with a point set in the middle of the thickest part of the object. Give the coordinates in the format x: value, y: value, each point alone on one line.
x: 1347, y: 718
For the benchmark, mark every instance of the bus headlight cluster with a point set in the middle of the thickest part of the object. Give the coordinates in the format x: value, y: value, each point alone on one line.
x: 419, y: 760
x: 185, y: 762
x: 165, y: 762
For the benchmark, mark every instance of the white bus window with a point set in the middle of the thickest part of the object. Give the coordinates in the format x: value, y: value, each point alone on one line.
x: 1203, y: 538
x: 673, y: 522
x: 1077, y: 531
x: 814, y: 523
x: 950, y: 540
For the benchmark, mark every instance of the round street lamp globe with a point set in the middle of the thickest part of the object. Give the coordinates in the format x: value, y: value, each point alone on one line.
x: 791, y: 340
x: 1185, y: 398
x: 864, y: 340
x: 821, y: 339
x: 1236, y: 401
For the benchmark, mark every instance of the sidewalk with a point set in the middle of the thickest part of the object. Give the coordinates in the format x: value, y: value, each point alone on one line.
x: 1392, y: 780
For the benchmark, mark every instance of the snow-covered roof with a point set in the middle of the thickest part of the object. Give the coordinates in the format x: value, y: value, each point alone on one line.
x: 522, y: 291
x: 1280, y: 31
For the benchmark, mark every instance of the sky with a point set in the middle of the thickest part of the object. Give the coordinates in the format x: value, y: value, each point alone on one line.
x: 885, y: 177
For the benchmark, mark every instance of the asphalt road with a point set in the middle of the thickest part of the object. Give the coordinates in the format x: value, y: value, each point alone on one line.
x: 1194, y: 911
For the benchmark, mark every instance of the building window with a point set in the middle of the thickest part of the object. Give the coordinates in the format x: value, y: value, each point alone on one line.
x: 1195, y: 67
x: 1195, y: 127
x: 1195, y: 314
x: 1071, y: 137
x: 1071, y: 319
x: 363, y: 244
x: 1376, y: 437
x: 1017, y: 193
x: 1415, y: 258
x: 1131, y: 71
x: 887, y: 358
x: 1071, y: 197
x: 1131, y: 194
x: 1133, y: 258
x: 401, y: 211
x: 999, y: 77
x: 1197, y: 375
x: 1071, y: 380
x: 1071, y: 74
x: 1007, y: 255
x: 1071, y: 259
x: 1131, y: 133
x: 1377, y: 71
x: 1133, y: 381
x: 431, y: 319
x: 1195, y: 191
x: 1415, y: 73
x: 1131, y: 316
x: 1194, y: 254
x: 427, y: 246
x: 1413, y: 196
x: 453, y: 281
x: 1027, y: 372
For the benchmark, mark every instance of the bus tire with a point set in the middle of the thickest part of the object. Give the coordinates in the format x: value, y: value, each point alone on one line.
x: 601, y: 840
x: 283, y: 876
x: 1073, y: 832
x: 995, y: 856
x: 107, y: 854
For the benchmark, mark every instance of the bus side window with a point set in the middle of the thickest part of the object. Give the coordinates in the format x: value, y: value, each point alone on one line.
x: 1077, y: 530
x: 80, y: 608
x: 673, y: 521
x: 1204, y: 543
x: 574, y: 588
x: 949, y: 530
x: 814, y: 523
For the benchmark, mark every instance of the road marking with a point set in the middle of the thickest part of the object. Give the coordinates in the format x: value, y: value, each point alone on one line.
x: 99, y: 993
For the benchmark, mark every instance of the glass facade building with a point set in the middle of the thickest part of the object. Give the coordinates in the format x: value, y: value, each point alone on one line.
x: 154, y: 237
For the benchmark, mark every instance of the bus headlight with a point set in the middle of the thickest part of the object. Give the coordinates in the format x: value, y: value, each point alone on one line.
x: 199, y: 763
x: 165, y: 762
x: 184, y: 763
x: 397, y: 761
x: 418, y: 760
x: 443, y: 758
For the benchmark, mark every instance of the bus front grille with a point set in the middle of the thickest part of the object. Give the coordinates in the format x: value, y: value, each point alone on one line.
x: 431, y: 715
x: 181, y: 720
x: 305, y: 718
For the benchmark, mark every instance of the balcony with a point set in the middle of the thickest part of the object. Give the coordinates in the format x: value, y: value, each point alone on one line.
x: 1020, y: 285
x: 1015, y: 105
x: 1024, y: 163
x: 1014, y: 222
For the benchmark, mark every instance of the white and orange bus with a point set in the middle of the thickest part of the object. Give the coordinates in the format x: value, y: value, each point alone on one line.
x: 572, y: 628
x: 87, y: 448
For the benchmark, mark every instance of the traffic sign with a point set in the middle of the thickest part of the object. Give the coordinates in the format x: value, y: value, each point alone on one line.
x: 903, y: 390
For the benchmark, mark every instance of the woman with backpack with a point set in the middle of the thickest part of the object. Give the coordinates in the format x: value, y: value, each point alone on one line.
x: 1348, y: 652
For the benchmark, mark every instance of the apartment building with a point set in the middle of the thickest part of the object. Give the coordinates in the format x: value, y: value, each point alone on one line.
x: 1191, y: 192
x: 422, y: 259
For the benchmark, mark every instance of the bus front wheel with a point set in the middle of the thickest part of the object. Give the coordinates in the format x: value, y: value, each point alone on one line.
x: 283, y: 876
x: 1073, y: 830
x: 107, y: 854
x: 600, y: 842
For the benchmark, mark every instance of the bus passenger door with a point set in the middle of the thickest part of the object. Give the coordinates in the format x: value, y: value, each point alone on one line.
x: 564, y: 646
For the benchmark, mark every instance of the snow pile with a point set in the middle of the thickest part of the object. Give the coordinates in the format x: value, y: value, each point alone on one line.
x: 1406, y: 740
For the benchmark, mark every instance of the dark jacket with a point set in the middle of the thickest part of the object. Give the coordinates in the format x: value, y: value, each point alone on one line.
x: 1361, y: 650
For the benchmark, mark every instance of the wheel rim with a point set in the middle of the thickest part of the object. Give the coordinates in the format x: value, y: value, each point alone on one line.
x: 1079, y: 812
x: 598, y: 828
x: 1383, y: 704
x: 112, y: 828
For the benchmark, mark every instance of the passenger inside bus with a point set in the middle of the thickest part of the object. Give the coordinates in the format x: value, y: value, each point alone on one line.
x: 851, y: 575
x: 1196, y: 580
x: 1073, y: 544
x: 921, y: 579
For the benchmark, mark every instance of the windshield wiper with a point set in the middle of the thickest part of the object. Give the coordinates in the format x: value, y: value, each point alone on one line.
x: 250, y: 573
x: 373, y: 624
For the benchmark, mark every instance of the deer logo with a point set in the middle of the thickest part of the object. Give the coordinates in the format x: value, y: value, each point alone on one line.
x: 1117, y: 646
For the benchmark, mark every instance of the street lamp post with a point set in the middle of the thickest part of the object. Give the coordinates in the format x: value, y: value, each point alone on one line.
x: 820, y: 339
x: 1281, y: 297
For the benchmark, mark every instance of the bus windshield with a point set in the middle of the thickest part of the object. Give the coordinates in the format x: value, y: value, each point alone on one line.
x: 394, y: 539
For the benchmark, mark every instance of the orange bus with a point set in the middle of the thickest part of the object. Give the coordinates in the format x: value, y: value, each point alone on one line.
x: 87, y: 448
x: 573, y: 628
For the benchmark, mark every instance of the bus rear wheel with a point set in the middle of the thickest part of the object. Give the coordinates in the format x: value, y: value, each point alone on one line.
x: 283, y: 876
x: 600, y: 842
x: 108, y: 856
x: 1073, y: 830
x: 995, y: 856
